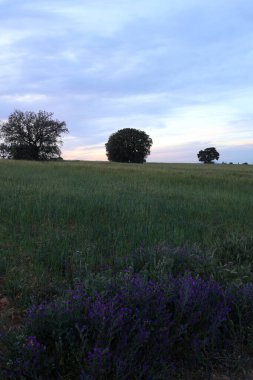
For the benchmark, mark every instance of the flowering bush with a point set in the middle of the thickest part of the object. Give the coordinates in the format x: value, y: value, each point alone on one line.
x: 164, y: 311
x: 138, y: 328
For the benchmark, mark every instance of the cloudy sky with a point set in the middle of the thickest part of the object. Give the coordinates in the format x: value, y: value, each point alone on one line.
x: 181, y: 70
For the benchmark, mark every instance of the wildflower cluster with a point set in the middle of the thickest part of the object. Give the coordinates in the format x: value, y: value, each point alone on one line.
x: 145, y: 321
x: 138, y: 328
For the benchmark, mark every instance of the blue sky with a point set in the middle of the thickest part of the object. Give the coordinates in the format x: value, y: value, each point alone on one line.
x: 181, y: 71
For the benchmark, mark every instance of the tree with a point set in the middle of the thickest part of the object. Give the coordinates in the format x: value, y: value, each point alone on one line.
x: 4, y: 151
x: 208, y: 155
x: 128, y: 145
x: 31, y: 136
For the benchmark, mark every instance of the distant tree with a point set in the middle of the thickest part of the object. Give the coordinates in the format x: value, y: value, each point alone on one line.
x: 31, y: 136
x: 128, y: 145
x: 208, y: 155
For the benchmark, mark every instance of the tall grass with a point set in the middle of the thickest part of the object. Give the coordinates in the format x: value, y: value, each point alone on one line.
x: 50, y: 211
x: 115, y: 265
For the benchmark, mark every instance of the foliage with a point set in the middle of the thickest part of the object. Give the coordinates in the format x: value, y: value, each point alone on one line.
x: 208, y: 155
x: 4, y: 151
x: 31, y: 136
x: 128, y: 145
x: 229, y: 261
x: 117, y: 334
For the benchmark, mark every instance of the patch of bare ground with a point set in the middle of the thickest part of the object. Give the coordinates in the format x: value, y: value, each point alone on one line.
x: 10, y: 316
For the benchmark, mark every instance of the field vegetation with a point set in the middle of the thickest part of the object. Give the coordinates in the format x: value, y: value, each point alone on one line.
x: 107, y: 237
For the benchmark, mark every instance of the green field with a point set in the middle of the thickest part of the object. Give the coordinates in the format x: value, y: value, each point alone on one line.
x: 88, y: 250
x: 93, y: 213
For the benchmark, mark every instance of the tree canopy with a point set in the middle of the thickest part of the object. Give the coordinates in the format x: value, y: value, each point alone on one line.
x: 128, y: 145
x: 208, y: 155
x: 31, y: 136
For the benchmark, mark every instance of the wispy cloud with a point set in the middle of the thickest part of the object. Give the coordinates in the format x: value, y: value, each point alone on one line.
x: 181, y: 71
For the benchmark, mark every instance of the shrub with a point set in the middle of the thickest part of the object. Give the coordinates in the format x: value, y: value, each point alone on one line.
x: 164, y: 311
x: 118, y: 334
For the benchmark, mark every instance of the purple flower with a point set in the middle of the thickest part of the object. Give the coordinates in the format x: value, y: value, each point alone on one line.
x: 33, y: 345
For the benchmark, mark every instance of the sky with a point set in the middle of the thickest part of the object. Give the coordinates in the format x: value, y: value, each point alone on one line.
x: 181, y: 71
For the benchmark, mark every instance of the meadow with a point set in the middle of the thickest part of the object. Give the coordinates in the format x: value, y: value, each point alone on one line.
x: 62, y: 221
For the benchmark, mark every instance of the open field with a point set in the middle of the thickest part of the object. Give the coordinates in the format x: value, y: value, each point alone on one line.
x: 49, y: 211
x: 104, y: 267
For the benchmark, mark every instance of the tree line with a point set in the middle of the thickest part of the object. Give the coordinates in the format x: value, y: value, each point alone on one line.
x: 37, y: 136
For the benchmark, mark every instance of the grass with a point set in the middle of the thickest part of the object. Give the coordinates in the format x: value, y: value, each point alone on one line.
x: 111, y: 226
x: 51, y: 211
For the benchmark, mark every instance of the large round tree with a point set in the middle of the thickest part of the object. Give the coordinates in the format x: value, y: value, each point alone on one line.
x: 128, y: 145
x: 31, y: 136
x: 208, y: 155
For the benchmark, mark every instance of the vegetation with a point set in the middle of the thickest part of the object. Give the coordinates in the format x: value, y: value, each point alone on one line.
x: 31, y: 136
x: 109, y: 272
x: 116, y: 334
x: 128, y: 145
x: 208, y: 155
